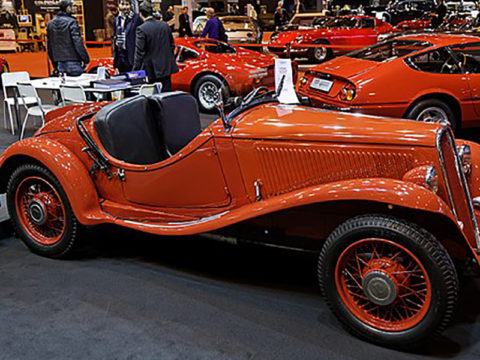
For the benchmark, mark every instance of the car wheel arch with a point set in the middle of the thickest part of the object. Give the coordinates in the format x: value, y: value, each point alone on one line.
x: 65, y: 166
x: 449, y: 99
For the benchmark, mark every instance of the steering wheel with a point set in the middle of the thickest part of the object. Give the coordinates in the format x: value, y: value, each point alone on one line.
x: 451, y: 67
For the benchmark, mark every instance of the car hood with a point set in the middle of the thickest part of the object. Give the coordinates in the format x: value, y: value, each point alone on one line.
x: 290, y: 122
x: 346, y: 67
x: 307, y: 34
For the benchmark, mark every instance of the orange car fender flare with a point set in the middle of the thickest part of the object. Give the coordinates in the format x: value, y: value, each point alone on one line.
x: 67, y: 168
x: 432, y: 93
x: 388, y: 191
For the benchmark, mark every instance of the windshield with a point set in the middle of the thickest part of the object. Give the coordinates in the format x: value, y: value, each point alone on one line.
x: 238, y: 24
x: 340, y: 23
x: 302, y: 20
x: 320, y: 21
x: 215, y: 47
x: 389, y: 50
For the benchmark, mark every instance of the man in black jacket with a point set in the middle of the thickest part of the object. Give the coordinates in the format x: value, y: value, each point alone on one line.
x: 125, y: 29
x: 184, y: 21
x: 155, y: 49
x: 64, y: 42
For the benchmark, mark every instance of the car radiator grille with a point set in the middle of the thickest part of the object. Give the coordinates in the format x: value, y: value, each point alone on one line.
x: 287, y: 168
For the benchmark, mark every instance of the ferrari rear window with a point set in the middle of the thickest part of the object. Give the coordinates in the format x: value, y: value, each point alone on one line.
x: 389, y: 50
x: 340, y: 23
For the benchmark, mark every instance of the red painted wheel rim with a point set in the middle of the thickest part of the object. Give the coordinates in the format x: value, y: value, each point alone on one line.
x: 40, y: 210
x: 383, y: 284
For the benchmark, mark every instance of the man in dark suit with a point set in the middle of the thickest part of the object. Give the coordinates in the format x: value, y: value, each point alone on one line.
x: 184, y: 21
x: 155, y: 49
x: 125, y: 28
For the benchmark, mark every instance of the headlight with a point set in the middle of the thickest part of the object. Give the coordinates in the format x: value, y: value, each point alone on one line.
x: 299, y: 39
x: 425, y: 176
x: 348, y: 93
x: 465, y: 154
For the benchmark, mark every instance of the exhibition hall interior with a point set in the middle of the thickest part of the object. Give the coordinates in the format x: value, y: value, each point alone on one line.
x: 240, y: 179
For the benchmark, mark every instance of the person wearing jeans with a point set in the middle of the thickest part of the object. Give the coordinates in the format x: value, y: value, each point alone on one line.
x: 65, y: 46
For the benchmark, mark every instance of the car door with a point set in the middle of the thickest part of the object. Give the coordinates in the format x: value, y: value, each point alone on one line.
x: 469, y: 56
x: 365, y: 32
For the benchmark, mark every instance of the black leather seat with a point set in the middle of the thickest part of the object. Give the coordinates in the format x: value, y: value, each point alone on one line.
x: 144, y: 131
x: 128, y: 131
x: 178, y: 119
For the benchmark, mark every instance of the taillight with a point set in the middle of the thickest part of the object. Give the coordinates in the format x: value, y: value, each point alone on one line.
x: 348, y: 93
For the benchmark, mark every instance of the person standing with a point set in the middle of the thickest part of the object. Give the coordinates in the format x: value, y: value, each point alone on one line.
x: 184, y: 21
x: 280, y: 18
x: 439, y: 14
x: 65, y: 46
x: 154, y: 51
x: 124, y: 37
x: 169, y: 18
x: 110, y: 22
x: 214, y: 28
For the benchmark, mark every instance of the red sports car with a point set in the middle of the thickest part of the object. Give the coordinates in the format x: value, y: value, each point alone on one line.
x: 206, y: 65
x: 422, y: 77
x: 345, y: 33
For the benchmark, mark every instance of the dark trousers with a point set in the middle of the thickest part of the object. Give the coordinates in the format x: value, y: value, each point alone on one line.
x: 166, y: 82
x: 123, y: 65
x: 70, y: 68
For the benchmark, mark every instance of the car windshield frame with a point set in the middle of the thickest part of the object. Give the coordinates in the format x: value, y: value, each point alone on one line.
x: 212, y: 43
x: 369, y: 53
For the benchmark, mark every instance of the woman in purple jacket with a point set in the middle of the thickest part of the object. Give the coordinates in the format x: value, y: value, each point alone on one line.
x: 214, y: 28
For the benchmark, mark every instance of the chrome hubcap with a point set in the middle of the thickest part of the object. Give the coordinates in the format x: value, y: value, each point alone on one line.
x: 379, y: 288
x: 208, y: 93
x: 435, y: 115
x: 320, y: 53
x: 37, y: 212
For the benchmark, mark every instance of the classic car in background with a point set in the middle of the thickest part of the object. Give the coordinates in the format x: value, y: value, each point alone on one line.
x: 422, y: 77
x: 394, y: 196
x: 304, y: 21
x: 205, y: 66
x: 403, y: 10
x: 239, y: 29
x: 345, y: 32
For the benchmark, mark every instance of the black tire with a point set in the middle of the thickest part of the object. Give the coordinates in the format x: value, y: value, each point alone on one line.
x: 433, y: 257
x: 415, y: 112
x: 319, y: 55
x: 208, y: 83
x: 23, y: 224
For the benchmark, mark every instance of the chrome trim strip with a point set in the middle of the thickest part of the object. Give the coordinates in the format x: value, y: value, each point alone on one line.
x: 463, y: 181
x: 444, y: 170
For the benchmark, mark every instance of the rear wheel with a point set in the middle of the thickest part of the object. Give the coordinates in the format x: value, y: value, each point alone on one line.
x: 433, y: 110
x: 206, y: 91
x: 319, y: 54
x: 40, y: 211
x: 388, y: 281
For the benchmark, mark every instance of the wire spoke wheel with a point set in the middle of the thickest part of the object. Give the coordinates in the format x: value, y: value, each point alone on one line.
x: 383, y: 284
x: 40, y: 210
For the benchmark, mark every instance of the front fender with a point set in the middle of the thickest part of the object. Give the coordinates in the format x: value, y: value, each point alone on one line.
x: 65, y: 166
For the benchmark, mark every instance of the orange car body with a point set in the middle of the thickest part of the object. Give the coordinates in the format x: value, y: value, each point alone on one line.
x: 283, y: 171
x: 392, y: 87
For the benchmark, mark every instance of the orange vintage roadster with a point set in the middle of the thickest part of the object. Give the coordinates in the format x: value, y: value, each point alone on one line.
x: 388, y: 205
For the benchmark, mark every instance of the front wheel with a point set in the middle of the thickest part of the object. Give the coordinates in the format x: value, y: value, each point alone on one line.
x: 40, y: 211
x: 206, y: 91
x: 388, y: 281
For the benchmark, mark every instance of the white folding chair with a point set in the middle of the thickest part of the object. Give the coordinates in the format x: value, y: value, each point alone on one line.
x: 11, y: 79
x: 150, y: 89
x: 27, y: 90
x: 73, y: 94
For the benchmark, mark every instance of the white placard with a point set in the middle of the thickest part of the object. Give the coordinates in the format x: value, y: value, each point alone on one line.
x: 284, y: 79
x: 101, y: 73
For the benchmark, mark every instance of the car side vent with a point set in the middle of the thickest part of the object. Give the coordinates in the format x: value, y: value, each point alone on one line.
x: 287, y: 168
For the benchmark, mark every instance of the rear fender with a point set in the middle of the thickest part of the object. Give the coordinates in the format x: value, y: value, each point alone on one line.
x: 65, y: 166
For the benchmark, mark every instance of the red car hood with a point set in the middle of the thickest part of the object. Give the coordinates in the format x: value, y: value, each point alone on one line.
x: 346, y: 67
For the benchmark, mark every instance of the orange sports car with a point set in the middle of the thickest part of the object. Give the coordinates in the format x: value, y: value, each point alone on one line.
x: 422, y: 77
x: 207, y: 65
